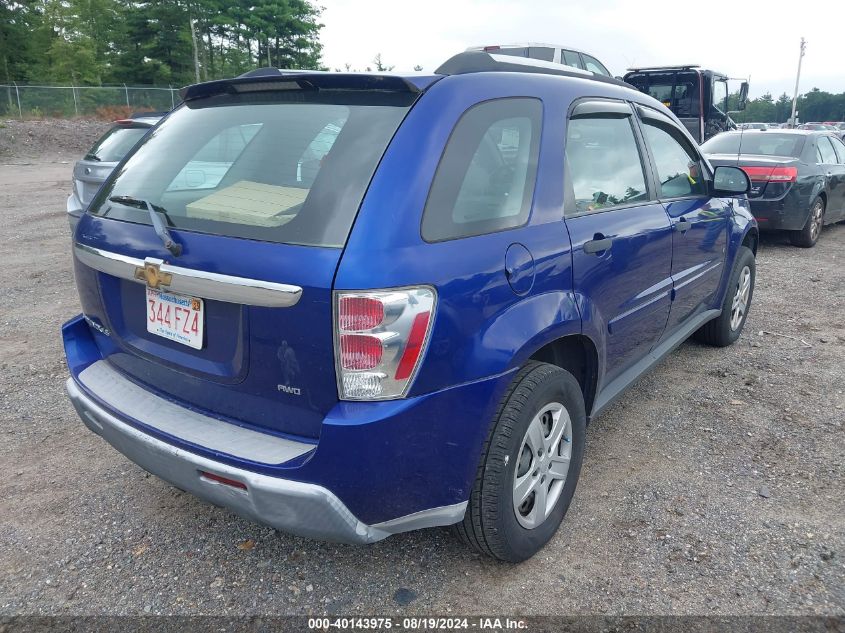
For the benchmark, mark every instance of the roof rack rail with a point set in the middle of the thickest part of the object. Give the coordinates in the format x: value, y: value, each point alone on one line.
x: 480, y: 61
x: 681, y: 67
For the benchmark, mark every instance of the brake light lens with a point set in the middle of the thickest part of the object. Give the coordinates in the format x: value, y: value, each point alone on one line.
x: 380, y: 340
x: 360, y: 313
x: 771, y: 174
x: 359, y: 351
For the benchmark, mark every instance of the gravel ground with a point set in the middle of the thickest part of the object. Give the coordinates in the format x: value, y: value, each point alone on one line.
x: 715, y: 486
x: 61, y: 139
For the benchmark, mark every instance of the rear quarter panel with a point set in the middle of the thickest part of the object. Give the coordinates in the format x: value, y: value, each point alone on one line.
x: 482, y: 328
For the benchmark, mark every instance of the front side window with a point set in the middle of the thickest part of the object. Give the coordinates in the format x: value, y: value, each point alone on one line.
x: 678, y: 167
x: 604, y: 164
x: 485, y: 180
x: 720, y: 95
x: 287, y: 166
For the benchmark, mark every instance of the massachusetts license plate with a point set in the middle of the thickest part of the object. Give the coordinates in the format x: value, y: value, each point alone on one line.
x: 176, y: 317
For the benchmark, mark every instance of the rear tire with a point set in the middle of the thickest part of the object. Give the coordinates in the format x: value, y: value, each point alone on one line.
x: 727, y: 327
x: 809, y: 235
x: 517, y: 463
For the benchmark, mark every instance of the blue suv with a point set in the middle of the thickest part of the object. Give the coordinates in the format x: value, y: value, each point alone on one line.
x: 352, y: 305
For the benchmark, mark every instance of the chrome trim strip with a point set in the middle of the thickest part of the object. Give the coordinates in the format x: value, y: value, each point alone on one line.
x: 189, y: 281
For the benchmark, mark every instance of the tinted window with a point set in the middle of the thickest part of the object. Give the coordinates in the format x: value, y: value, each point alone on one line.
x: 571, y: 58
x: 485, y: 179
x: 678, y: 168
x: 826, y: 154
x: 116, y: 143
x: 594, y: 65
x: 284, y: 166
x: 765, y: 144
x: 839, y: 146
x: 542, y: 52
x: 515, y: 52
x: 604, y: 164
x: 210, y: 164
x: 676, y: 90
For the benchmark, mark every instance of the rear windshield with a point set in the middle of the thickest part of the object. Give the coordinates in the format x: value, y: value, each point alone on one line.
x: 116, y: 143
x: 283, y: 166
x: 761, y: 144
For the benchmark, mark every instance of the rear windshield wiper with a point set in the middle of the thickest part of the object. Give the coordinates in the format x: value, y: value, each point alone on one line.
x: 160, y: 227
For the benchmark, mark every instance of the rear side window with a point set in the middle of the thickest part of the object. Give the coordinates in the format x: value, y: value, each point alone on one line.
x: 485, y: 180
x: 678, y: 167
x: 542, y: 52
x: 288, y: 166
x: 571, y: 58
x: 826, y: 154
x: 594, y: 65
x: 604, y: 164
x: 116, y: 143
x: 839, y: 146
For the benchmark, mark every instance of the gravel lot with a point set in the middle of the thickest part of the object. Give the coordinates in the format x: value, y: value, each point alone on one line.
x: 715, y: 486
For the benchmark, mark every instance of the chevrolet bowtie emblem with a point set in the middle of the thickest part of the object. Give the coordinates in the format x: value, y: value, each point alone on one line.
x: 151, y: 273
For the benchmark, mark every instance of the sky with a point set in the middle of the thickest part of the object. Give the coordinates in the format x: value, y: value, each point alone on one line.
x: 741, y: 38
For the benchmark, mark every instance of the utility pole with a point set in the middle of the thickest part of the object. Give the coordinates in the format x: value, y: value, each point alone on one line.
x: 196, y: 54
x: 797, y: 79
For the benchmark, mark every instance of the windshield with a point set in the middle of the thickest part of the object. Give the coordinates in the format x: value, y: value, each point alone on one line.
x: 116, y: 143
x: 761, y: 144
x: 678, y: 91
x: 288, y: 167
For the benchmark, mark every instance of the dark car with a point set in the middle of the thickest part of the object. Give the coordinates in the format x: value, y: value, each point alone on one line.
x: 797, y: 177
x: 401, y: 300
x: 92, y: 171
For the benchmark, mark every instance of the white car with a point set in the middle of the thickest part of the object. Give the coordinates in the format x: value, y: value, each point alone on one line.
x: 550, y: 53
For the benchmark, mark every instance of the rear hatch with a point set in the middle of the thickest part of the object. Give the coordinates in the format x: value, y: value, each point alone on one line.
x: 257, y: 182
x: 90, y: 172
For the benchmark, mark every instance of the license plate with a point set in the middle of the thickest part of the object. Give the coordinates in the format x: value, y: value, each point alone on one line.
x: 175, y: 317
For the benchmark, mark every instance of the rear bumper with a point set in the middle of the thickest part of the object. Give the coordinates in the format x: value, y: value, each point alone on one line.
x: 789, y: 213
x: 378, y: 468
x: 300, y: 508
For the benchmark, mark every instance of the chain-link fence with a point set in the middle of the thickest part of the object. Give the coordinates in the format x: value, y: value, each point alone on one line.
x: 25, y: 100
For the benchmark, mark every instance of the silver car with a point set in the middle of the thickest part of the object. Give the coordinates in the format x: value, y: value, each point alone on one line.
x: 550, y: 53
x: 90, y: 172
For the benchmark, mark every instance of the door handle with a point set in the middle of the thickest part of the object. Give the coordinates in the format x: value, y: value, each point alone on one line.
x: 599, y: 244
x: 682, y: 225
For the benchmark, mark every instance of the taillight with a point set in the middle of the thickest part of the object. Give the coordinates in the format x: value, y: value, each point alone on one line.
x: 772, y: 174
x: 380, y: 339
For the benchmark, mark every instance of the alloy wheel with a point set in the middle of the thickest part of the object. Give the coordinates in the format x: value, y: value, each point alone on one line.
x: 542, y: 466
x: 816, y: 220
x: 739, y: 305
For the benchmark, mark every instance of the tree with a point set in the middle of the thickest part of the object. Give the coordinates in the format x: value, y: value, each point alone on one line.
x: 380, y: 65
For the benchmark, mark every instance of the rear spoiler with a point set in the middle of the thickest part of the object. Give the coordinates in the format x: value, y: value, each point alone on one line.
x: 271, y: 79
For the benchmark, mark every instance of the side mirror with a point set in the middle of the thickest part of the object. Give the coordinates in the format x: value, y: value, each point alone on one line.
x: 730, y: 182
x: 743, y: 95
